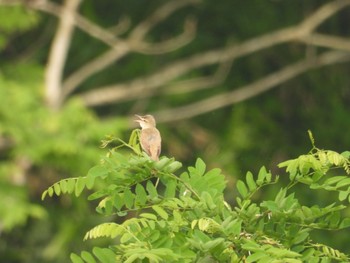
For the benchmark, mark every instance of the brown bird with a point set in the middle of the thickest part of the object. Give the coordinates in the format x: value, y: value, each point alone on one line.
x: 150, y: 137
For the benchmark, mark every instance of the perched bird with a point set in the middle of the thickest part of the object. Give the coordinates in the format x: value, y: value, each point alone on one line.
x: 150, y: 137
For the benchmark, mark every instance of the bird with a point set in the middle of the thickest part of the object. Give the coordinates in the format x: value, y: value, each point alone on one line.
x: 150, y: 138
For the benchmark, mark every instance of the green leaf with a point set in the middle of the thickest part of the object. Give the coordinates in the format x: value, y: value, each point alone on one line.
x: 200, y: 166
x: 255, y: 257
x: 126, y: 237
x: 97, y: 171
x: 242, y: 189
x: 162, y: 163
x: 43, y: 195
x: 308, y: 253
x: 149, y: 216
x: 281, y: 195
x: 343, y: 182
x: 79, y: 186
x: 300, y: 237
x: 250, y: 182
x: 261, y: 175
x: 317, y: 176
x: 90, y: 181
x: 71, y: 185
x: 87, y: 257
x: 118, y: 201
x: 335, y: 158
x: 129, y: 198
x: 343, y: 195
x: 105, y: 255
x: 208, y: 200
x: 170, y: 189
x: 152, y: 191
x: 234, y: 227
x: 141, y: 195
x: 346, y: 154
x: 160, y: 211
x: 75, y: 258
x: 57, y: 189
x: 345, y: 223
x: 50, y: 191
x: 334, y: 179
x: 64, y: 186
x: 134, y: 138
x: 174, y: 166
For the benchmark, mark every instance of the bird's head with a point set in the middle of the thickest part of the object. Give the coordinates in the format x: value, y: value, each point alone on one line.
x: 146, y: 121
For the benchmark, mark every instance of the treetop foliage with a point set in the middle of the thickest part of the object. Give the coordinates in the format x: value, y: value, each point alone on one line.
x: 173, y: 216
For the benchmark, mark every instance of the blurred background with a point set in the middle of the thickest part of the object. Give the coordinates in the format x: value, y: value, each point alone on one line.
x: 236, y: 83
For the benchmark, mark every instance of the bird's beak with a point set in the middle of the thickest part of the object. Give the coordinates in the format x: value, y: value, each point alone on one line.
x: 140, y: 118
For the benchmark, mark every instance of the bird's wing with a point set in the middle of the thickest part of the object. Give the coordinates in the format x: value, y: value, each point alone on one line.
x: 151, y: 142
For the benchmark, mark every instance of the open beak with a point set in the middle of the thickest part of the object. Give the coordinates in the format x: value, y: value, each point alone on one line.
x: 140, y: 118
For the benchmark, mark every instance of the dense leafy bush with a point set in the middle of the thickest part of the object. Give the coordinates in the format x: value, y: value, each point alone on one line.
x: 183, y: 217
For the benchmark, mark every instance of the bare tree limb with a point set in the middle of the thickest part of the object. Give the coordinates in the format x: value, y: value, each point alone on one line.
x: 251, y: 90
x: 120, y: 48
x: 327, y: 41
x: 168, y: 45
x: 81, y: 22
x: 158, y: 16
x: 122, y: 26
x: 94, y: 66
x: 58, y: 54
x: 137, y: 87
x: 195, y: 84
x: 321, y: 14
x: 131, y: 90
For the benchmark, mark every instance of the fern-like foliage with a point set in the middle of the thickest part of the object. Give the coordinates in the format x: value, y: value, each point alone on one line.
x: 183, y: 217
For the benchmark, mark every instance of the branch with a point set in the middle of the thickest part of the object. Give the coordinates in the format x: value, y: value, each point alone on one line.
x: 321, y: 14
x: 195, y: 84
x: 131, y: 90
x: 327, y: 41
x: 94, y: 66
x: 121, y: 48
x: 134, y: 89
x: 170, y: 44
x: 251, y: 90
x: 81, y: 22
x: 58, y: 54
x: 158, y: 16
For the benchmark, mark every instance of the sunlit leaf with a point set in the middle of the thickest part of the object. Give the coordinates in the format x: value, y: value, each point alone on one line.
x: 250, y: 181
x: 200, y: 166
x: 160, y: 211
x: 242, y: 188
x: 79, y: 186
x: 75, y: 258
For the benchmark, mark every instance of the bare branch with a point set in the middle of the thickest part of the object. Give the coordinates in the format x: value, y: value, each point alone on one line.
x: 58, y: 54
x: 170, y: 44
x: 158, y: 16
x: 332, y: 42
x: 81, y: 22
x: 195, y: 84
x: 120, y: 47
x: 320, y: 15
x: 131, y: 90
x: 122, y: 26
x: 91, y: 68
x: 251, y: 90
